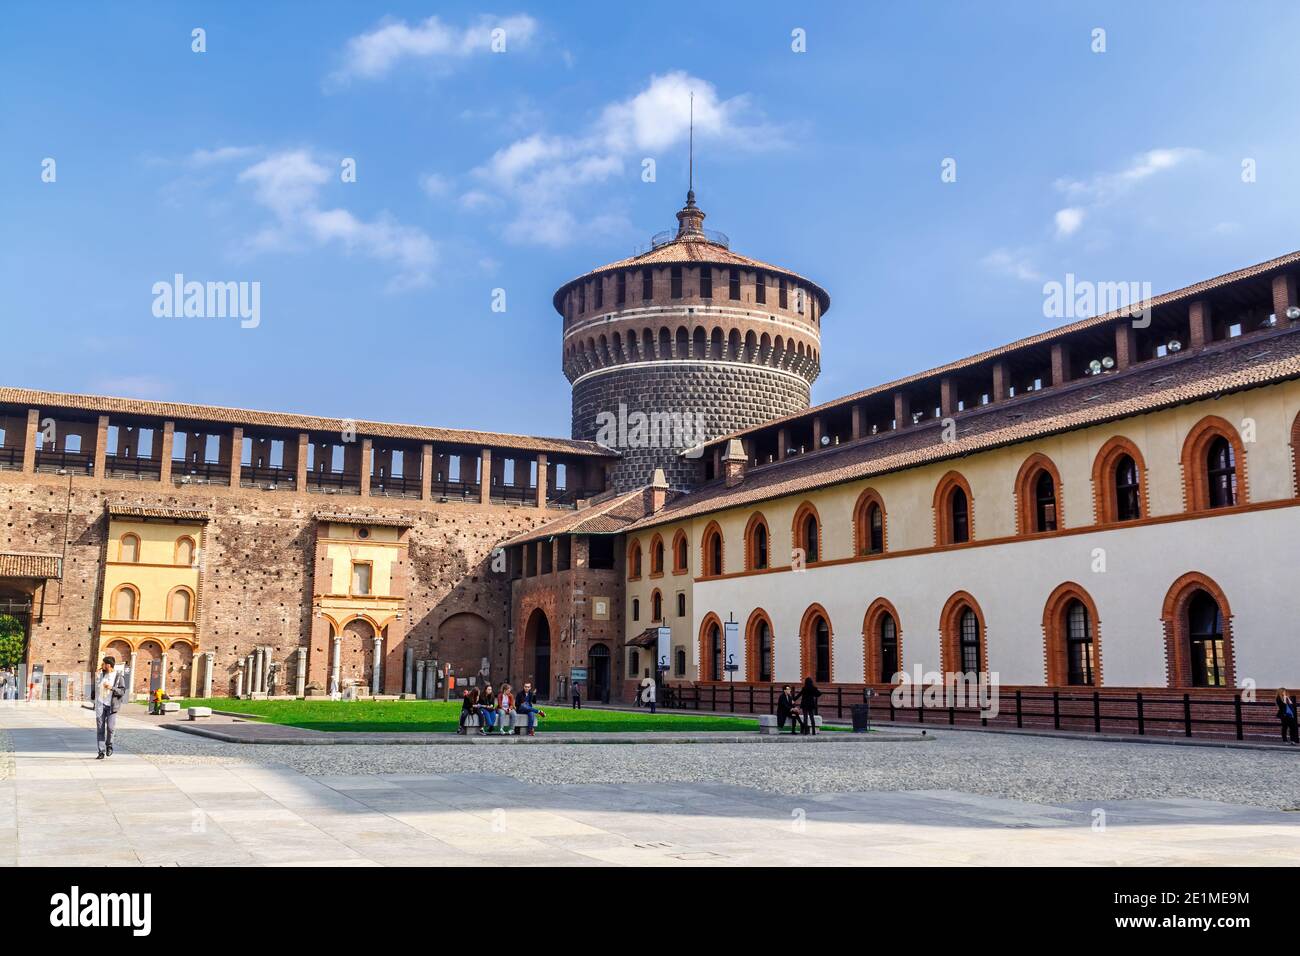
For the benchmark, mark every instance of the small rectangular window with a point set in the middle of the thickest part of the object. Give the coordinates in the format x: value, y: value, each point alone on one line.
x: 760, y: 288
x: 706, y: 283
x: 733, y: 284
x: 361, y: 577
x: 681, y: 603
x: 636, y: 609
x: 676, y: 280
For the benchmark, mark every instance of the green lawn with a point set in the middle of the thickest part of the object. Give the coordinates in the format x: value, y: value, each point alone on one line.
x: 435, y: 715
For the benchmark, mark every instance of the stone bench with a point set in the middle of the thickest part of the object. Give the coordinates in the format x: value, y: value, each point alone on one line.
x: 767, y: 724
x: 197, y: 712
x: 514, y: 721
x: 170, y: 707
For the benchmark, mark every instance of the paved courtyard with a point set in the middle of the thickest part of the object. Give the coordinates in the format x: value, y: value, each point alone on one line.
x: 167, y: 798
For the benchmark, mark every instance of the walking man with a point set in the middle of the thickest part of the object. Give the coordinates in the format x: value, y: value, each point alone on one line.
x: 110, y: 691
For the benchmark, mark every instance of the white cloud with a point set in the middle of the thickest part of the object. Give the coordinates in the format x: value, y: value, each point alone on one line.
x: 223, y: 154
x: 1104, y: 187
x: 1016, y: 263
x: 373, y: 54
x: 1068, y: 221
x: 542, y: 174
x: 435, y: 185
x: 290, y: 183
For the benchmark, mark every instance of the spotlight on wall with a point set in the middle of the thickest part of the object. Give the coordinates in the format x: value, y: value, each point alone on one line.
x: 1094, y: 367
x: 1293, y: 312
x: 826, y: 440
x: 1107, y: 362
x: 1174, y: 345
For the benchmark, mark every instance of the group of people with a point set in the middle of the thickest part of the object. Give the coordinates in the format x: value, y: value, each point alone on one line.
x: 799, y: 711
x: 493, y: 709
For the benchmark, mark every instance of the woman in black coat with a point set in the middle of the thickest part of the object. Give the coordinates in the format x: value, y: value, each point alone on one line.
x: 808, y: 695
x: 1286, y: 713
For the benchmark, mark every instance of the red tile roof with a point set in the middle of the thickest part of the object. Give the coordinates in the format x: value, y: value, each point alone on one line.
x: 1236, y: 365
x: 18, y: 564
x: 689, y: 250
x: 171, y: 514
x: 1281, y: 263
x: 608, y: 514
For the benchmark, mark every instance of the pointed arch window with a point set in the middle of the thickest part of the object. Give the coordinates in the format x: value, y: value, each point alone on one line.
x: 656, y: 556
x: 757, y: 551
x: 807, y: 533
x: 1128, y: 489
x: 712, y: 546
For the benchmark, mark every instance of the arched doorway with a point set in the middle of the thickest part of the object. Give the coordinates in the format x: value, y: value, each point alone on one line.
x: 357, y: 653
x: 180, y: 661
x: 148, y: 667
x: 537, y: 642
x: 598, y: 673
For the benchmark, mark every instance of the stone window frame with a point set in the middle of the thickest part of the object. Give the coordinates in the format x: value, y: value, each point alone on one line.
x: 1104, y: 501
x: 1196, y: 478
x: 1026, y: 494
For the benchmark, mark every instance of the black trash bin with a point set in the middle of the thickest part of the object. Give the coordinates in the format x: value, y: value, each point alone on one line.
x: 861, y: 718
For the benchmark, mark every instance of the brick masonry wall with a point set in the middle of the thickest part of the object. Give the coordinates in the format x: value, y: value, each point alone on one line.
x: 730, y: 396
x: 554, y: 595
x: 256, y: 581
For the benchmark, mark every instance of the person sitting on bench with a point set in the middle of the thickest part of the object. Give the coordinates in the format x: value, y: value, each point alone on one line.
x: 527, y: 704
x: 468, y: 708
x: 505, y: 708
x: 787, y: 709
x: 487, y: 709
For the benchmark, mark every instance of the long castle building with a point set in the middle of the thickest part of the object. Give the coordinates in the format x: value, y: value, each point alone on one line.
x: 1106, y: 508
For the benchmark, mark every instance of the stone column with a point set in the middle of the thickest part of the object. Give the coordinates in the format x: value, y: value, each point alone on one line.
x: 267, y: 653
x: 367, y: 463
x: 101, y: 447
x: 162, y: 671
x: 130, y: 694
x: 209, y: 662
x: 301, y: 479
x: 239, y: 680
x: 1284, y: 296
x: 1198, y: 317
x: 902, y: 410
x: 236, y: 454
x: 1125, y: 344
x: 1060, y: 363
x: 256, y: 682
x: 1000, y: 385
x: 408, y: 671
x: 300, y: 673
x: 250, y: 673
x: 29, y: 448
x: 419, y: 680
x: 377, y: 680
x: 541, y: 481
x: 336, y: 658
x: 426, y: 471
x: 485, y: 477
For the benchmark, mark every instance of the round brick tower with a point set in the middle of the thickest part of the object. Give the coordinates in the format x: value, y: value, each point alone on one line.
x: 685, y: 342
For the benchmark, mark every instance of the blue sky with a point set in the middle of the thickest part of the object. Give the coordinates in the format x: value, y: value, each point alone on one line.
x: 518, y: 170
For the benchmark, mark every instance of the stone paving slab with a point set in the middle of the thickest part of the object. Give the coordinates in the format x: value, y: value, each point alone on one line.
x: 63, y: 807
x: 258, y: 733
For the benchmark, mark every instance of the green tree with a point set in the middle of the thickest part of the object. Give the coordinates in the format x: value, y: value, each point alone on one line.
x: 12, y: 641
